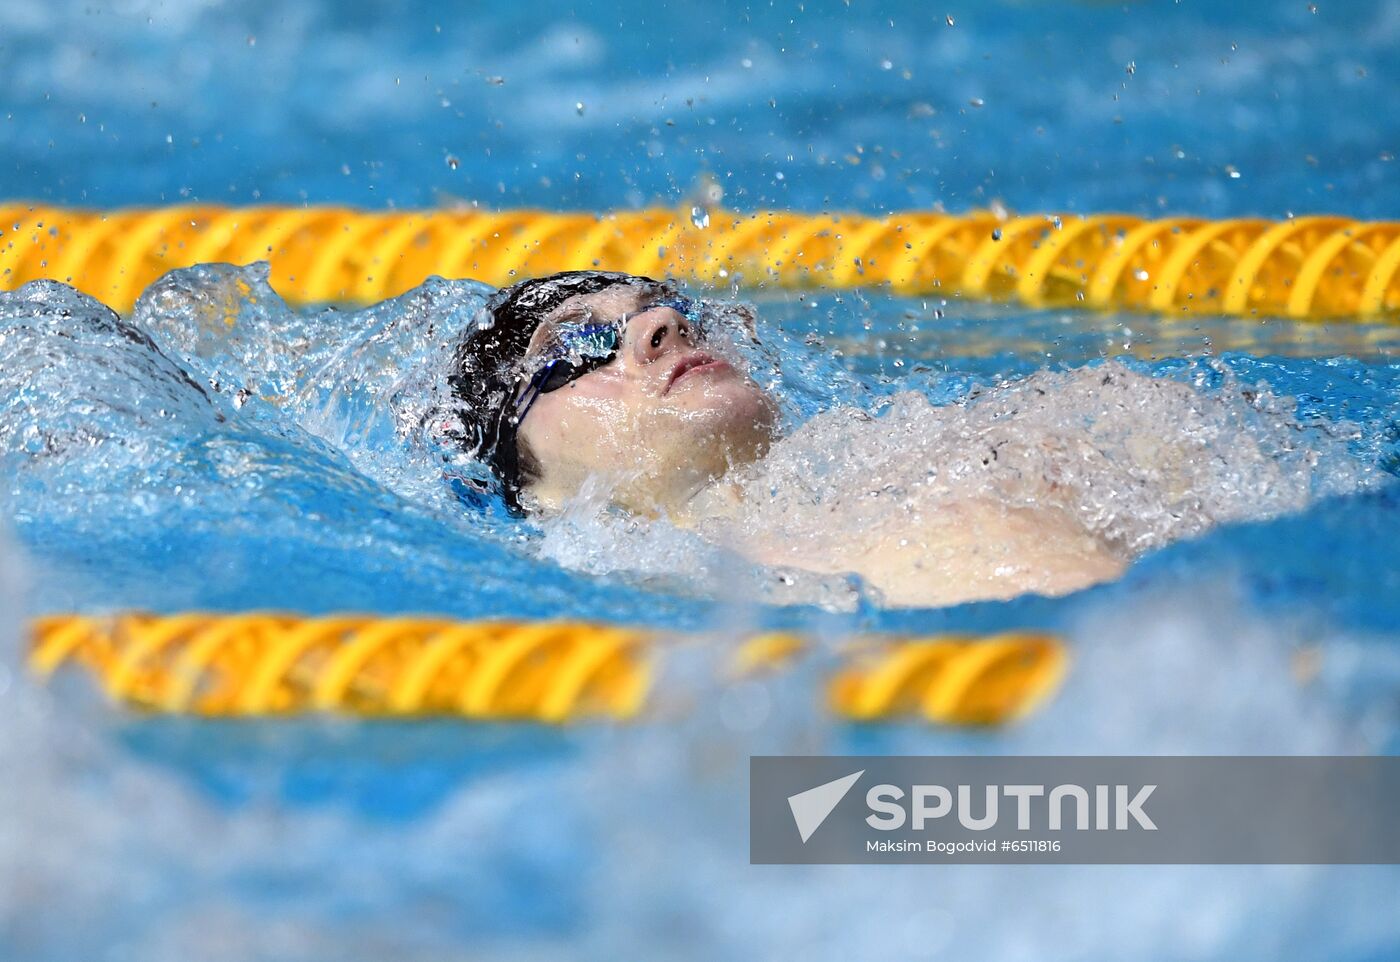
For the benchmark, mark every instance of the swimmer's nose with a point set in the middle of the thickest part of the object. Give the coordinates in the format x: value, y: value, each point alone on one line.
x: 658, y: 332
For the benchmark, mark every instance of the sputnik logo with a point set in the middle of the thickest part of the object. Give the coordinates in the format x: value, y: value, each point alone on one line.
x: 810, y: 808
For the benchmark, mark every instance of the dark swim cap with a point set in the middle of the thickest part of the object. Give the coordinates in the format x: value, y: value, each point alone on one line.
x: 486, y: 369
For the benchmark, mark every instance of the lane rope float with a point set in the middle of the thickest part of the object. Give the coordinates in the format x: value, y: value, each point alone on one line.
x: 1307, y: 268
x: 270, y: 664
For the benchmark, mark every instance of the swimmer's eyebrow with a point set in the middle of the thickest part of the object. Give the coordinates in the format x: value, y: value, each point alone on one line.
x: 572, y: 314
x: 547, y: 328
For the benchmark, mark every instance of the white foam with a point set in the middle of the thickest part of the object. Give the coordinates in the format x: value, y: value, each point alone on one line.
x: 1139, y: 460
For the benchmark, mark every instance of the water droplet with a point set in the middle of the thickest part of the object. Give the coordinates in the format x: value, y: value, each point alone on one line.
x: 886, y: 64
x: 452, y: 162
x: 977, y: 101
x: 1140, y: 274
x: 252, y: 40
x: 496, y: 81
x: 1312, y: 8
x: 1132, y: 67
x: 345, y: 169
x: 996, y: 233
x: 700, y: 217
x: 1230, y: 169
x: 579, y: 108
x: 949, y: 18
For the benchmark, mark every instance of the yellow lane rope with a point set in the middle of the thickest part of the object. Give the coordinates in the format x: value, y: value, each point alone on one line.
x: 1307, y: 268
x: 277, y: 664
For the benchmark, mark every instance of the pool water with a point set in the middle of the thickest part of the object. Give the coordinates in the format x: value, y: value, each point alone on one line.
x: 171, y: 460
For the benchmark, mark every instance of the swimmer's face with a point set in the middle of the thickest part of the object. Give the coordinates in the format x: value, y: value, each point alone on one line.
x: 657, y: 422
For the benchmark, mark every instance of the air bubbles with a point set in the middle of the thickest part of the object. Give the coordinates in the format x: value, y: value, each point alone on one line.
x: 579, y: 107
x: 452, y: 162
x: 700, y: 217
x: 976, y: 102
x: 949, y: 19
x: 996, y: 233
x: 496, y: 81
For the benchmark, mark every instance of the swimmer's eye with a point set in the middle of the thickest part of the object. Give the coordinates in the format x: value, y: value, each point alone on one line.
x: 590, y: 341
x: 682, y: 305
x: 570, y: 353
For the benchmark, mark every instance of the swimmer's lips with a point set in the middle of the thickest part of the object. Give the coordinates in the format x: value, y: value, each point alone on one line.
x: 693, y: 363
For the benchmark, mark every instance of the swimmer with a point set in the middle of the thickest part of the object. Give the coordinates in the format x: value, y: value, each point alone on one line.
x: 605, y: 378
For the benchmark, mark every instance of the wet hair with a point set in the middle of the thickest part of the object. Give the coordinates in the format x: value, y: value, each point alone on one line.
x: 486, y: 369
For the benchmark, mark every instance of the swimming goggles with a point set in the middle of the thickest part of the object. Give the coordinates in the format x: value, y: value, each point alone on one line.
x: 577, y: 348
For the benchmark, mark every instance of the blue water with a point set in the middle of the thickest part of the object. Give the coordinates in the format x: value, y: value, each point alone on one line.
x: 784, y: 104
x: 145, y: 467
